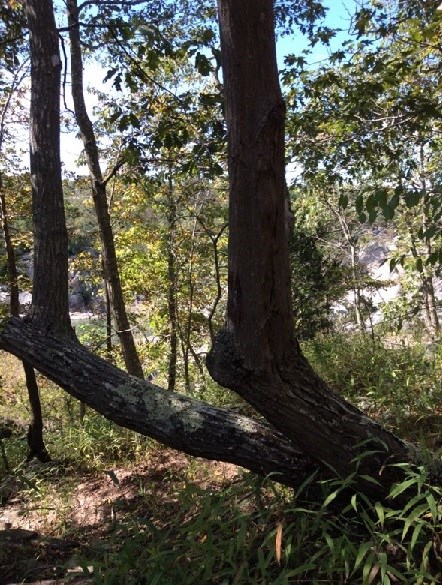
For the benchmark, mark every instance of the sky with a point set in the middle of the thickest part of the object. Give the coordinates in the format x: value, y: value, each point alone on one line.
x: 337, y: 17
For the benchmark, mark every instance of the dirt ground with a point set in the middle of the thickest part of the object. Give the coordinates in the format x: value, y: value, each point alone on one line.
x: 41, y: 540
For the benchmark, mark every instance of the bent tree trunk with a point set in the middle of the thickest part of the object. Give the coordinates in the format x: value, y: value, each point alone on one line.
x: 174, y: 419
x: 111, y: 273
x: 256, y: 354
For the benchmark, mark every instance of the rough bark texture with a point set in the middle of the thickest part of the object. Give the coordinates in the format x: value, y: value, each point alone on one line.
x: 256, y: 354
x: 50, y: 232
x: 174, y: 419
x: 99, y: 196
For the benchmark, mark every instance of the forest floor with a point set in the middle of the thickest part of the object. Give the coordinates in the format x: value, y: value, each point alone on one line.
x: 116, y: 508
x: 43, y: 543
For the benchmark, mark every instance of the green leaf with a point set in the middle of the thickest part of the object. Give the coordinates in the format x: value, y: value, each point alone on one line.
x: 388, y: 212
x: 412, y: 517
x: 362, y: 551
x: 401, y: 487
x: 430, y: 232
x: 343, y: 200
x: 433, y: 507
x: 370, y: 479
x: 354, y: 502
x: 380, y: 512
x: 412, y: 198
x: 203, y: 65
x: 371, y: 202
x: 330, y: 498
x: 382, y: 196
x: 415, y: 535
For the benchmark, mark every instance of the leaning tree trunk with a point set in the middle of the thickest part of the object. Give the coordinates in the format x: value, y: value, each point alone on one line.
x: 174, y: 419
x: 256, y: 354
x: 111, y: 273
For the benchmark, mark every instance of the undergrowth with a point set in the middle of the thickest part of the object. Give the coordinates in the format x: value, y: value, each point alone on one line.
x: 263, y: 534
x: 399, y: 385
x: 247, y: 531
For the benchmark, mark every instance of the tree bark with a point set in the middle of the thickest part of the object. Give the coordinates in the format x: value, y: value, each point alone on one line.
x: 14, y: 302
x: 111, y: 272
x: 256, y: 354
x: 36, y: 443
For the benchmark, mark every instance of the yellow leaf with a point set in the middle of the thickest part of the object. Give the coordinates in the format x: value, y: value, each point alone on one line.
x: 278, y: 542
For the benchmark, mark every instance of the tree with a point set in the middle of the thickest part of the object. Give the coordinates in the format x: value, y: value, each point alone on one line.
x: 256, y: 353
x: 369, y: 122
x: 110, y: 266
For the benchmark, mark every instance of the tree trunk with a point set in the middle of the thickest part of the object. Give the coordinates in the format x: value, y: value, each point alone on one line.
x: 14, y: 302
x: 356, y: 289
x: 51, y: 238
x: 427, y: 276
x: 431, y: 304
x: 256, y: 354
x: 111, y: 273
x: 36, y: 444
x: 171, y: 213
x: 4, y: 221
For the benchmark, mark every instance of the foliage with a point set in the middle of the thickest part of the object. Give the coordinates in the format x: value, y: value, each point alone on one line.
x: 394, y: 382
x: 364, y: 133
x: 316, y: 285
